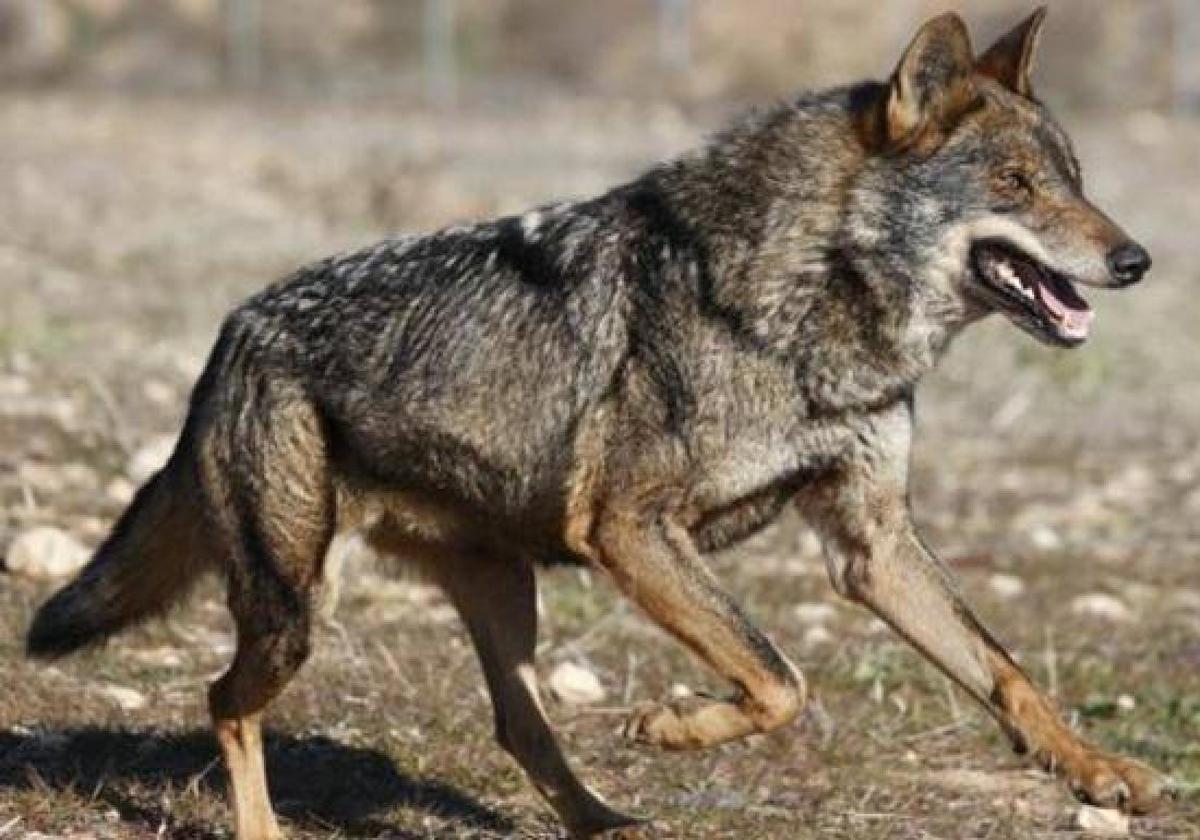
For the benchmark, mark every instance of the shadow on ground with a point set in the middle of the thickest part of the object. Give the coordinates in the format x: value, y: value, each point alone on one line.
x: 316, y: 783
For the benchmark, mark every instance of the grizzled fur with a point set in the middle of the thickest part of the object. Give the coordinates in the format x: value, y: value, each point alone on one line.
x: 629, y: 382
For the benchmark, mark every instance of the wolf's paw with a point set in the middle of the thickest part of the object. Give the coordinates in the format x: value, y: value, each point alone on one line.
x: 658, y: 725
x: 1109, y: 781
x: 694, y: 723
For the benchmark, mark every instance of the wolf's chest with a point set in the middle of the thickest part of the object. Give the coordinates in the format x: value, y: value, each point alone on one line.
x: 744, y: 485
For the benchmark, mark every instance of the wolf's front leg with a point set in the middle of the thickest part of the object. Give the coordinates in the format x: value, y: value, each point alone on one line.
x: 653, y: 561
x: 876, y: 558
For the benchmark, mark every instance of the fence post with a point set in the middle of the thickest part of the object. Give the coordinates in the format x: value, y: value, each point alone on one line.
x: 242, y: 22
x: 674, y: 35
x: 441, y: 69
x: 1185, y: 65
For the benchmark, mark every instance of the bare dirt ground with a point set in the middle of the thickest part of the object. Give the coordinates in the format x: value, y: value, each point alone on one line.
x: 129, y: 227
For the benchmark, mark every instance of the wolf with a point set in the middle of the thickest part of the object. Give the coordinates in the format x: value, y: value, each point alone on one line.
x: 631, y: 382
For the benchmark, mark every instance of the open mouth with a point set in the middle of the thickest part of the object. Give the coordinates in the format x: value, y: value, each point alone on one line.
x: 1036, y: 297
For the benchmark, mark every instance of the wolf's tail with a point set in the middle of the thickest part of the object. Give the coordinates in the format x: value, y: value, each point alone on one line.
x: 153, y: 555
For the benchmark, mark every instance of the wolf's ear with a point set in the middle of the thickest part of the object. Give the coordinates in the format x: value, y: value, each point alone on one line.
x: 931, y: 87
x: 1010, y: 60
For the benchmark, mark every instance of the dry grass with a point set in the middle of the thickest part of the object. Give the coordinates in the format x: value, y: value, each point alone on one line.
x: 131, y: 225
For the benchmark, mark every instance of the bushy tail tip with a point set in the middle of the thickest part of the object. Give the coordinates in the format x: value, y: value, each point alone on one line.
x: 63, y: 625
x: 147, y: 563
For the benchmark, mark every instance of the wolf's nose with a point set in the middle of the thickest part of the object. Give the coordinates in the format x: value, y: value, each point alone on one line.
x: 1128, y: 263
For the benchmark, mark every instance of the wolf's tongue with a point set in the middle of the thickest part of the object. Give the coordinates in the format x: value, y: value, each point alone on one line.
x: 1074, y: 321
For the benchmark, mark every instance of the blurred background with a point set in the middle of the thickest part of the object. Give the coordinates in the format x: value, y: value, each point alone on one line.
x: 162, y: 159
x: 479, y: 50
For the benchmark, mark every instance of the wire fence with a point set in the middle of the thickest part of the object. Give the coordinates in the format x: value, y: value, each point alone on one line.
x: 445, y: 50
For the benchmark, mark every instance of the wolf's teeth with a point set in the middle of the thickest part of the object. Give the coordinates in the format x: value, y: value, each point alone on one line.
x: 1007, y: 274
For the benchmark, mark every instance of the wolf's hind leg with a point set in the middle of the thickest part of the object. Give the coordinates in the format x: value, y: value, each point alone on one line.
x: 654, y: 562
x: 266, y: 659
x: 496, y: 598
x: 270, y: 478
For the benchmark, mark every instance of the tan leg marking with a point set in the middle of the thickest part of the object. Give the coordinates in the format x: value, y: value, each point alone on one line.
x: 656, y: 565
x: 259, y: 672
x: 1036, y: 727
x: 876, y: 558
x: 241, y: 745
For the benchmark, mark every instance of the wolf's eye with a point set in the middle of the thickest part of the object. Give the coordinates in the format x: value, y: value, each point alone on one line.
x: 1016, y: 181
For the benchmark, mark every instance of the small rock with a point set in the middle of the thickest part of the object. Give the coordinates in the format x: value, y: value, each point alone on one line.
x: 814, y: 612
x: 120, y: 490
x: 14, y: 386
x: 816, y: 636
x: 1045, y: 538
x: 1184, y: 600
x: 150, y: 458
x: 794, y: 567
x: 575, y: 685
x: 441, y: 614
x: 158, y: 392
x: 1102, y: 822
x: 878, y: 627
x: 189, y: 365
x: 45, y: 552
x: 91, y: 529
x: 1102, y: 606
x: 128, y: 699
x: 679, y: 691
x: 211, y: 642
x: 163, y: 656
x: 809, y: 544
x: 1133, y: 483
x: 1006, y: 586
x: 1126, y: 703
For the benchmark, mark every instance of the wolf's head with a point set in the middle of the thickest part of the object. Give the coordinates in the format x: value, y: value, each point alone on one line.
x: 974, y: 190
